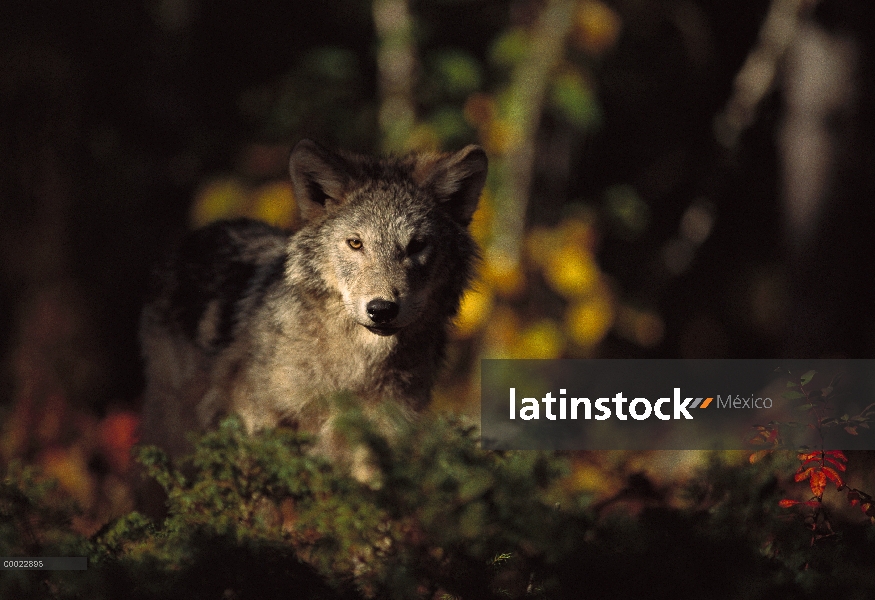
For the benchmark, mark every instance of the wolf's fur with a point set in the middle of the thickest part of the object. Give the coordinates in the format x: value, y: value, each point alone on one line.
x: 251, y: 320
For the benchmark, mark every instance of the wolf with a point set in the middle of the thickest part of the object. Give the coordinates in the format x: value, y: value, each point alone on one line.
x: 249, y: 319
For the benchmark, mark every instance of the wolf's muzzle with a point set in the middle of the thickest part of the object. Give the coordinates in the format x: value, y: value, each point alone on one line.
x: 382, y: 313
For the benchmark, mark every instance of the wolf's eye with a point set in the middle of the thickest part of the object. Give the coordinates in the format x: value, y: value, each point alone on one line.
x: 415, y: 246
x: 354, y: 243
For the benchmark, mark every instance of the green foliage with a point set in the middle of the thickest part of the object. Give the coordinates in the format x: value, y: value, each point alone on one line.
x: 456, y: 73
x: 575, y: 100
x: 437, y: 514
x: 510, y: 47
x: 34, y: 521
x: 263, y: 517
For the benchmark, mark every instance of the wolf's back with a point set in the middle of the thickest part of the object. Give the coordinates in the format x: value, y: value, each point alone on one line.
x: 202, y: 293
x: 215, y: 276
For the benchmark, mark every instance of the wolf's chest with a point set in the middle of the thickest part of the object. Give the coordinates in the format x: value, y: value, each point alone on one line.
x: 321, y: 359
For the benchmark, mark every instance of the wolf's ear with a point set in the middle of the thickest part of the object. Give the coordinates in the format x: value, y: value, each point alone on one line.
x: 319, y: 177
x: 456, y: 180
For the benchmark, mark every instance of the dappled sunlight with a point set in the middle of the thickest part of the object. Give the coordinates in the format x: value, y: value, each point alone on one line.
x: 666, y: 180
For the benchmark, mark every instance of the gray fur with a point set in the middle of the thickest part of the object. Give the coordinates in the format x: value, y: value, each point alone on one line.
x: 248, y: 319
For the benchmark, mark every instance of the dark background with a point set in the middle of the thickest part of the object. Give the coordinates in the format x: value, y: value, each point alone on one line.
x: 113, y: 115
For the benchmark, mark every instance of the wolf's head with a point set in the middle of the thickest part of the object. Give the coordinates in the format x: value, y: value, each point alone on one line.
x: 391, y: 233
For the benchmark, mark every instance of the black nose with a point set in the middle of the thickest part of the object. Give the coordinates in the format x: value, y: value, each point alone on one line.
x: 382, y: 311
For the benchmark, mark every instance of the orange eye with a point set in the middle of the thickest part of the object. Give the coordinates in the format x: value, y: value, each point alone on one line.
x: 354, y: 243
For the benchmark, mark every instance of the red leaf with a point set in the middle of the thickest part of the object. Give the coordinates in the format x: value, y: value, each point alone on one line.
x: 817, y: 481
x: 838, y: 454
x: 851, y: 430
x: 759, y: 455
x: 787, y: 503
x: 833, y: 476
x: 809, y: 456
x: 816, y: 459
x: 118, y: 434
x: 838, y: 465
x: 800, y: 474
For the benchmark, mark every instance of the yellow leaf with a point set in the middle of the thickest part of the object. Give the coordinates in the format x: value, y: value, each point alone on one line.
x: 544, y: 339
x: 473, y: 311
x: 501, y: 137
x: 588, y: 321
x: 481, y: 224
x: 597, y: 27
x: 572, y: 272
x: 218, y: 199
x: 503, y: 275
x: 274, y: 203
x: 589, y: 478
x: 69, y: 467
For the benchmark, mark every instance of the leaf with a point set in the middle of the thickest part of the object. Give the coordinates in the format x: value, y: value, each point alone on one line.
x: 458, y: 73
x: 764, y: 435
x: 833, y: 476
x: 808, y: 456
x: 827, y: 391
x: 807, y: 377
x: 574, y: 98
x: 803, y: 473
x: 851, y: 429
x: 805, y: 407
x: 792, y: 395
x: 787, y: 503
x: 829, y: 421
x: 759, y: 455
x: 219, y: 199
x: 510, y: 48
x: 837, y: 454
x: 817, y: 482
x: 838, y: 465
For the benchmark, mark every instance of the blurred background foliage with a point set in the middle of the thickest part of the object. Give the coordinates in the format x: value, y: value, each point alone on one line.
x: 684, y: 178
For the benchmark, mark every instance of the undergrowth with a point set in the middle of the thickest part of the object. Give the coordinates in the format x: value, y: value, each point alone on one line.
x: 260, y: 517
